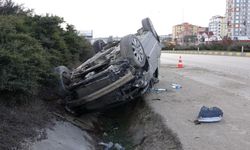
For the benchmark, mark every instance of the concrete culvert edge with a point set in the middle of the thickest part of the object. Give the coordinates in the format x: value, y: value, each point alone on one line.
x: 149, y: 131
x: 136, y: 127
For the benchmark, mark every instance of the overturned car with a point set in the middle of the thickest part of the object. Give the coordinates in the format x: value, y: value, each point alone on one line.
x: 118, y: 73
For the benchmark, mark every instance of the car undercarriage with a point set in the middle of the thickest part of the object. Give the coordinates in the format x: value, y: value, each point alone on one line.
x: 117, y: 73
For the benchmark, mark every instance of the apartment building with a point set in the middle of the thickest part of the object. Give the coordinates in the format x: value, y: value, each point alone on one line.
x: 186, y: 33
x: 218, y: 25
x: 238, y: 19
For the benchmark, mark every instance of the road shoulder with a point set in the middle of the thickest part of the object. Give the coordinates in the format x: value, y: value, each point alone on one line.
x: 179, y: 109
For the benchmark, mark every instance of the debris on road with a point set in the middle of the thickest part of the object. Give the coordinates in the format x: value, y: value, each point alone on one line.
x: 156, y: 99
x: 157, y: 90
x: 106, y: 146
x: 209, y: 115
x: 110, y: 145
x: 117, y: 146
x: 105, y: 134
x: 176, y: 86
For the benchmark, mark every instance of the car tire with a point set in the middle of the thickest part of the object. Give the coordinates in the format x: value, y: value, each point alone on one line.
x: 98, y: 45
x: 148, y: 26
x: 64, y: 80
x: 132, y: 49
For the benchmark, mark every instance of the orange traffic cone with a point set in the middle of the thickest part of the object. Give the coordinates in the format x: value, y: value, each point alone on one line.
x: 180, y: 64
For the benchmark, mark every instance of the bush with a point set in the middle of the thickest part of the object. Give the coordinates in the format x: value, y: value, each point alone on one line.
x: 238, y: 46
x: 23, y: 61
x: 216, y: 46
x: 30, y: 47
x: 189, y: 47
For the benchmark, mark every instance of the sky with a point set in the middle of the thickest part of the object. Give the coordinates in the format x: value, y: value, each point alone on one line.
x: 122, y: 17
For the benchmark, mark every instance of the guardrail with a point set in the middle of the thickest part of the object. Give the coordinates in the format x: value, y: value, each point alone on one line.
x: 222, y: 53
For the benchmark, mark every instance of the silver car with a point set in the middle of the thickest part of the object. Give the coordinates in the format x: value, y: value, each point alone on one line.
x: 118, y: 73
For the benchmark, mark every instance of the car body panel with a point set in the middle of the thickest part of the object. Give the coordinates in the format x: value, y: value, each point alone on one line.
x: 153, y: 56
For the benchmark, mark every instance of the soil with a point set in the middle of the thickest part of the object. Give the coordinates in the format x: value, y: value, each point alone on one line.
x: 136, y: 127
x: 45, y: 124
x: 23, y: 122
x: 149, y: 132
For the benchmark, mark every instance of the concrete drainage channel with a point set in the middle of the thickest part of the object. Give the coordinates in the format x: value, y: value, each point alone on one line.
x: 133, y: 126
x: 136, y: 126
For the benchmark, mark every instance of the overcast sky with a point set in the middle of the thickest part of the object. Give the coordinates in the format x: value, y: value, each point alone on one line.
x: 122, y: 17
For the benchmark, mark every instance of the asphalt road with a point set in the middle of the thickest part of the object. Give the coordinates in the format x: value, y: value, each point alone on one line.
x: 221, y: 81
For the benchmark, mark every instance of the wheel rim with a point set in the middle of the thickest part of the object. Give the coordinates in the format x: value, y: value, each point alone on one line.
x: 137, y: 50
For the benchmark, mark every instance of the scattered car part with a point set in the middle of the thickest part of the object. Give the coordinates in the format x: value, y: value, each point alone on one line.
x: 106, y: 146
x: 117, y: 146
x: 208, y: 115
x: 176, y: 86
x: 158, y: 90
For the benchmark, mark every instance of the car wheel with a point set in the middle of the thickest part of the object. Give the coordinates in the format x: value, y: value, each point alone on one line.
x: 148, y: 26
x: 132, y: 49
x: 64, y: 80
x: 98, y: 45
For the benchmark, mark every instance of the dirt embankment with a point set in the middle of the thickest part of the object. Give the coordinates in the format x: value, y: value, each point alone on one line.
x: 43, y: 125
x: 149, y: 132
x: 23, y: 122
x: 136, y: 127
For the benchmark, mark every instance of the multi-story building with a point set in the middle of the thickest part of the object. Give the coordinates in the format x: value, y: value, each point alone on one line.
x: 186, y: 33
x: 223, y: 28
x: 217, y: 25
x: 205, y: 37
x: 238, y: 19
